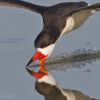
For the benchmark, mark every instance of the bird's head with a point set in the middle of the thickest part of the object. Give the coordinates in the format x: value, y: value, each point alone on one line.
x: 42, y: 76
x: 42, y: 53
x: 37, y: 56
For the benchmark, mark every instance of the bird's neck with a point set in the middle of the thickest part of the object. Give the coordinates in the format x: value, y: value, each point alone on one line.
x: 47, y: 50
x: 47, y: 79
x: 44, y: 85
x: 47, y: 87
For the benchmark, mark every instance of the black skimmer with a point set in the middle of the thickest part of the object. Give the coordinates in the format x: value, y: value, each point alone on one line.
x: 46, y: 85
x: 58, y: 20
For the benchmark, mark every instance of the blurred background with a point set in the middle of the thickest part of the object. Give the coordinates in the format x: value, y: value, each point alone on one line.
x: 18, y: 30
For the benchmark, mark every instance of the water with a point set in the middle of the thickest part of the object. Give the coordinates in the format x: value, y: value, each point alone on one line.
x: 18, y: 29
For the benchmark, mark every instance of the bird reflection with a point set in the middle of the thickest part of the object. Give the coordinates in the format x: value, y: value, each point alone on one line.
x: 47, y: 86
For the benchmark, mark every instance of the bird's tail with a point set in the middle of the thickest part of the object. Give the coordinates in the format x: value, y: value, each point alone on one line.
x: 23, y: 4
x: 92, y: 8
x: 94, y: 99
x: 95, y: 7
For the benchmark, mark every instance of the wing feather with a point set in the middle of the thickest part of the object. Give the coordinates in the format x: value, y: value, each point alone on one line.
x: 94, y: 7
x: 23, y: 4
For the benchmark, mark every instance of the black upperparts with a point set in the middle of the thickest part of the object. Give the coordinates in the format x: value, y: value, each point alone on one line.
x: 46, y: 37
x: 23, y: 4
x: 54, y: 19
x: 38, y: 8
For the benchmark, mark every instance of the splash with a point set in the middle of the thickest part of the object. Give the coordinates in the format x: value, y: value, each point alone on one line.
x: 79, y: 58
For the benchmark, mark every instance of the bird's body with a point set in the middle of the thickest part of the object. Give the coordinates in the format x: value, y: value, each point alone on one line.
x: 47, y: 86
x: 53, y: 92
x: 57, y: 20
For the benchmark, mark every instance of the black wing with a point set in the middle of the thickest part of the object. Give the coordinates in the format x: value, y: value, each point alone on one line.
x: 23, y: 4
x: 95, y: 7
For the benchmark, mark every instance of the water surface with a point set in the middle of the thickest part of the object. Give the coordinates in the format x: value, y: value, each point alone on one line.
x: 19, y: 28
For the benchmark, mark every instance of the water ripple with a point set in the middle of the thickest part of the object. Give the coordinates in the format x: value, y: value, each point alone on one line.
x: 79, y: 58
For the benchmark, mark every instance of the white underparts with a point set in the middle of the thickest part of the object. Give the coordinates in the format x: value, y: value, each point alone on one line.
x: 47, y: 79
x: 69, y: 25
x: 93, y: 11
x: 47, y: 50
x: 70, y: 95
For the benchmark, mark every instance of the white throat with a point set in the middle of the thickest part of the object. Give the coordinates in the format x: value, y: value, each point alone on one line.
x: 47, y: 79
x: 47, y: 50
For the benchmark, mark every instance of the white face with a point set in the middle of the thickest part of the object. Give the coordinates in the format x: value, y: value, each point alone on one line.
x: 47, y: 50
x: 47, y: 79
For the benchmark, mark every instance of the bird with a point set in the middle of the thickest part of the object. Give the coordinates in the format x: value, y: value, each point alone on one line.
x: 58, y: 20
x: 47, y: 86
